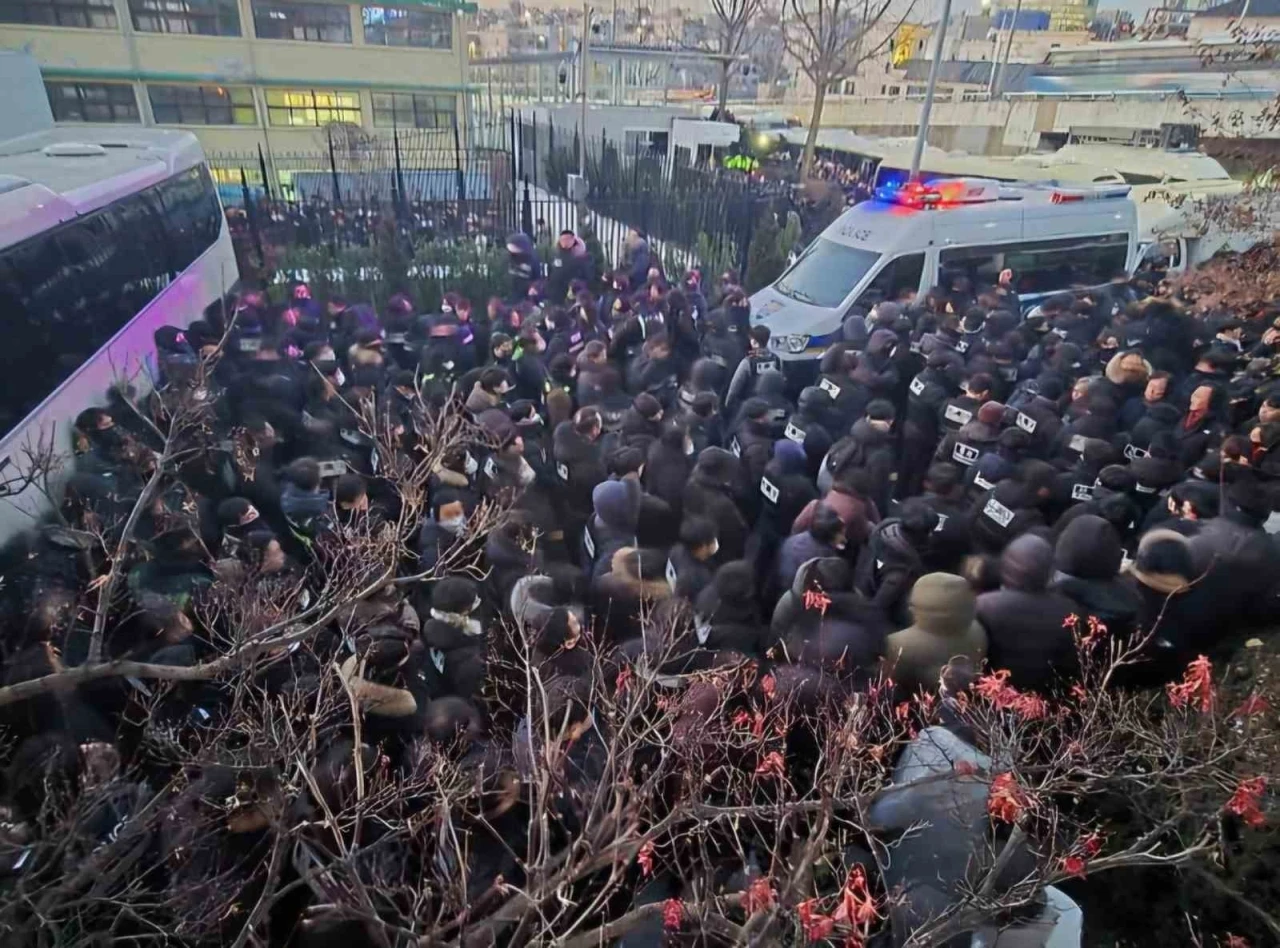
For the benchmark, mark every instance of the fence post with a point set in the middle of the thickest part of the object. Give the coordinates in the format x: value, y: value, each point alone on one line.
x: 517, y: 166
x: 533, y: 141
x: 746, y: 242
x: 526, y: 210
x: 333, y: 169
x: 252, y: 215
x: 266, y: 179
x: 457, y: 164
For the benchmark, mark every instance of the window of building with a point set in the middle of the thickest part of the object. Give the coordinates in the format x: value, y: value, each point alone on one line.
x: 90, y: 14
x: 312, y: 107
x: 311, y: 22
x: 197, y: 17
x: 404, y: 26
x: 412, y: 110
x: 202, y: 105
x: 92, y: 102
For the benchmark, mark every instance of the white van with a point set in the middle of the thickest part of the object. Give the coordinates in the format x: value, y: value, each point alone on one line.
x: 904, y: 242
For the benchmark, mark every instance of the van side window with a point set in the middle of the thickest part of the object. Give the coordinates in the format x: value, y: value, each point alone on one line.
x: 899, y: 275
x: 1042, y: 266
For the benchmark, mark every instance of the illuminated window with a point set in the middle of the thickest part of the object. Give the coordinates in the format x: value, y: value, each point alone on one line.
x: 202, y: 105
x: 405, y: 26
x: 90, y: 14
x: 411, y: 110
x: 311, y: 22
x: 198, y: 17
x: 312, y: 107
x: 92, y: 102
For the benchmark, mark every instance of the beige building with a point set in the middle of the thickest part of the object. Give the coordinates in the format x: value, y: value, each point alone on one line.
x: 248, y: 73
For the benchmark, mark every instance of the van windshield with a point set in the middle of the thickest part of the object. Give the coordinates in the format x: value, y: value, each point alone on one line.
x: 826, y: 273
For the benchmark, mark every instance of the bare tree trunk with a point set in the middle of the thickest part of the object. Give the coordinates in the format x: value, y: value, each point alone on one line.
x: 811, y: 141
x: 724, y: 89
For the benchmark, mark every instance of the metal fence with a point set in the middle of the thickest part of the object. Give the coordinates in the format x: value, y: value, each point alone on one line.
x: 482, y: 183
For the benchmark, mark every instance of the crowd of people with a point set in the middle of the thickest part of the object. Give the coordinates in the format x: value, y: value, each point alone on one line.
x: 958, y: 484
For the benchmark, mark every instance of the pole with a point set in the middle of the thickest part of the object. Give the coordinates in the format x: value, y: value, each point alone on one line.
x: 266, y: 179
x: 1008, y: 45
x: 995, y: 55
x: 586, y: 82
x: 934, y: 66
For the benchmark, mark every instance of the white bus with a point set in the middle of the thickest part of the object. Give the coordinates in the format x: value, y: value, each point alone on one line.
x: 106, y: 235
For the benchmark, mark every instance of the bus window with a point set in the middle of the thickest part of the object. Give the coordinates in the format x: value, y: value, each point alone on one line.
x: 982, y: 265
x: 67, y: 292
x: 899, y: 275
x: 1046, y: 266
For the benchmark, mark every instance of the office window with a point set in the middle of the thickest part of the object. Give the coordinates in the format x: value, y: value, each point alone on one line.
x: 411, y: 110
x: 312, y: 107
x: 197, y: 17
x: 402, y: 26
x: 90, y: 14
x: 92, y: 102
x: 312, y: 22
x: 202, y: 105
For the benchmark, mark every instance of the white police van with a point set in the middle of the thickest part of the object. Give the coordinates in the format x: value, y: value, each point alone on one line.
x: 906, y: 240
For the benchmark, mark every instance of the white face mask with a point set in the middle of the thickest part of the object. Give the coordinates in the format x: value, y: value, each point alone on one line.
x: 715, y: 548
x: 688, y: 448
x: 453, y: 524
x: 338, y: 378
x: 470, y: 465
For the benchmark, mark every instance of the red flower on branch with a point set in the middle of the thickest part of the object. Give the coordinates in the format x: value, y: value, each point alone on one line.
x: 816, y: 925
x: 1073, y: 866
x: 759, y: 896
x: 1196, y: 686
x: 672, y: 915
x: 1070, y: 621
x: 772, y: 766
x: 769, y: 686
x: 1006, y: 800
x: 816, y: 599
x: 1090, y: 845
x: 1251, y: 707
x: 964, y: 768
x: 1236, y: 941
x: 1246, y: 802
x: 645, y: 858
x: 623, y: 680
x: 857, y: 905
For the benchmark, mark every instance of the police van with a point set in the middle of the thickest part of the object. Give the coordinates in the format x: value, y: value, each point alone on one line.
x: 917, y: 236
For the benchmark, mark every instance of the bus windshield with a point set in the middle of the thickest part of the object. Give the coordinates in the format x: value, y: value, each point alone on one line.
x: 826, y: 273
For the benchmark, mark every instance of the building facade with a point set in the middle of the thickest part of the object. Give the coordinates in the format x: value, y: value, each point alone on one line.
x: 279, y: 75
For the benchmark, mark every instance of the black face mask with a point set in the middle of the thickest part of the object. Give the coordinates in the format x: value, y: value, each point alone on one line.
x: 326, y: 367
x: 109, y: 439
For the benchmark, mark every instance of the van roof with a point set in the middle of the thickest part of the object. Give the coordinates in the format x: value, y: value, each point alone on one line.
x: 1020, y: 213
x: 50, y: 177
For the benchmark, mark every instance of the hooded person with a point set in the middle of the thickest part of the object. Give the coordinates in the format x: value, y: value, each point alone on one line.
x: 974, y: 438
x: 759, y: 360
x: 870, y: 448
x: 572, y: 262
x: 1026, y: 624
x: 1240, y: 557
x: 667, y: 465
x: 726, y: 613
x: 1182, y: 616
x: 614, y: 522
x: 847, y: 498
x: 785, y: 490
x: 944, y: 627
x: 805, y: 427
x: 579, y: 465
x: 824, y: 538
x: 635, y: 582
x: 823, y: 622
x: 455, y: 638
x: 997, y: 516
x: 893, y: 558
x: 921, y: 429
x: 752, y: 442
x: 691, y: 562
x: 712, y: 492
x: 1086, y: 561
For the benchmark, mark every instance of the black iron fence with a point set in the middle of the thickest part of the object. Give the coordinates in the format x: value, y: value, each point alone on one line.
x: 360, y: 189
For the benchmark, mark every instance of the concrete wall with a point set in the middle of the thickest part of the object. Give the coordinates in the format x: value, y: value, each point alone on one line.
x: 1014, y: 125
x: 25, y: 108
